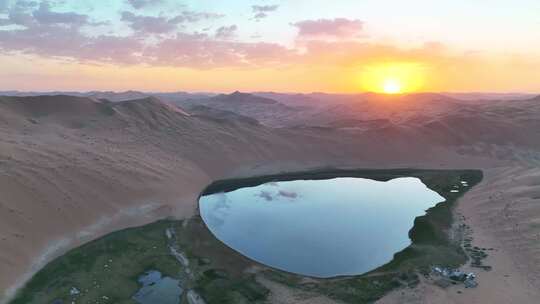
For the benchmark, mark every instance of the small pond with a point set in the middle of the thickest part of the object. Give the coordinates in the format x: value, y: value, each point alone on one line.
x: 319, y: 228
x: 158, y: 289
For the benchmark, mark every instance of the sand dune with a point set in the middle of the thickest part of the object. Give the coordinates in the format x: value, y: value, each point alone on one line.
x: 267, y: 111
x: 73, y: 168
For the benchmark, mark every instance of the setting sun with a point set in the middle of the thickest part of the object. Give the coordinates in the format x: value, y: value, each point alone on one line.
x: 391, y: 86
x: 393, y: 78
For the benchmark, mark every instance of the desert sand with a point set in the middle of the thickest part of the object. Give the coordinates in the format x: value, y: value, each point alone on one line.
x: 504, y: 217
x: 75, y: 168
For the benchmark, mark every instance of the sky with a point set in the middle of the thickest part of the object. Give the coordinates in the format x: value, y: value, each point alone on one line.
x: 344, y: 46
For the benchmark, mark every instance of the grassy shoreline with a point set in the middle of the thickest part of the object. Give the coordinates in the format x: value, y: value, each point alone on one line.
x: 105, y: 270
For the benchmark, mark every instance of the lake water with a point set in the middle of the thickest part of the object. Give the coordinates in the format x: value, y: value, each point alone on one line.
x: 158, y: 289
x: 319, y: 228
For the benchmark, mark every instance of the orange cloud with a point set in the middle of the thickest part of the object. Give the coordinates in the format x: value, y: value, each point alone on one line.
x: 44, y: 49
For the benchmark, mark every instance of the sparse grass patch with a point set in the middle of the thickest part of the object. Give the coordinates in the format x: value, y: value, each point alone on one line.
x: 106, y: 267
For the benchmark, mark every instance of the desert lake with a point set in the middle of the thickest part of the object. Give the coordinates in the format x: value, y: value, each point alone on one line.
x: 330, y: 222
x: 319, y: 228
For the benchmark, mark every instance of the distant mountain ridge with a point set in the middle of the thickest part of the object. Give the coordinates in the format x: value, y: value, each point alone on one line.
x: 112, y: 95
x: 360, y: 111
x: 238, y: 97
x: 265, y: 110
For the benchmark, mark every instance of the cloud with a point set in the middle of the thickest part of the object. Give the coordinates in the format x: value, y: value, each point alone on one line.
x: 112, y: 49
x: 23, y: 4
x: 226, y: 32
x: 138, y: 4
x: 265, y: 195
x: 150, y: 24
x: 261, y: 11
x: 58, y: 35
x: 19, y: 17
x: 45, y: 31
x: 192, y: 16
x: 162, y: 24
x: 288, y: 194
x: 64, y: 42
x: 340, y: 28
x: 44, y: 15
x: 198, y: 50
x: 25, y: 13
x: 18, y: 14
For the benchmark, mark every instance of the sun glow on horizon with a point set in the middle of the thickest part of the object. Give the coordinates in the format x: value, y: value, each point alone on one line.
x: 391, y: 86
x: 393, y: 78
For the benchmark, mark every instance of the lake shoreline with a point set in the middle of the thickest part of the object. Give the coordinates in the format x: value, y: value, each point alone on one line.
x: 418, y: 235
x: 429, y: 175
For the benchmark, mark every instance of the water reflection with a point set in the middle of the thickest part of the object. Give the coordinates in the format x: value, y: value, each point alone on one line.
x: 158, y: 289
x: 320, y: 228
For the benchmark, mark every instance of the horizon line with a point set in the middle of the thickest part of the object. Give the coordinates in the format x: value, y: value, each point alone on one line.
x: 266, y: 91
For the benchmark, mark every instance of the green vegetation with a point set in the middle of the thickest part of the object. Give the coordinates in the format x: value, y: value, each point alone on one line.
x: 106, y: 270
x: 430, y: 242
x: 106, y: 267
